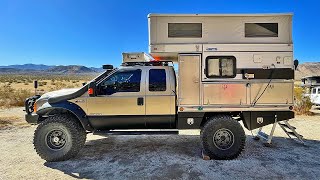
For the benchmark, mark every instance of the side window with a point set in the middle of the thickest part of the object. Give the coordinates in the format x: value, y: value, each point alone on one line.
x: 184, y: 30
x: 121, y: 81
x: 157, y: 80
x: 220, y: 67
x: 261, y: 29
x: 314, y: 91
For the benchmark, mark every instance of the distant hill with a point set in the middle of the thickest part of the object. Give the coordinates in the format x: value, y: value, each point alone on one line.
x: 28, y: 66
x: 307, y: 69
x: 40, y: 68
x: 71, y: 69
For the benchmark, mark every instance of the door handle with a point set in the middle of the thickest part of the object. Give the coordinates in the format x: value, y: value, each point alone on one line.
x: 140, y: 101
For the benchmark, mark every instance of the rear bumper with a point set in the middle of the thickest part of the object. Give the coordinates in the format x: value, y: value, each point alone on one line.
x: 32, y: 118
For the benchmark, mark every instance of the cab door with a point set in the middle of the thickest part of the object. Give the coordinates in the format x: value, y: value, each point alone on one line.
x: 120, y: 101
x: 160, y: 98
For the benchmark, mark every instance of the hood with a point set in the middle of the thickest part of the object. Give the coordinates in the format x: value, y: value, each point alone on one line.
x: 61, y: 92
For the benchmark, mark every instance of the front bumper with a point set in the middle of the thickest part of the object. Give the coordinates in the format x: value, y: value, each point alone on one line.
x: 32, y: 118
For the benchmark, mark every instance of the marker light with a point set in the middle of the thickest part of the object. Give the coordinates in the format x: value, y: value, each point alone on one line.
x: 90, y: 91
x: 35, y: 107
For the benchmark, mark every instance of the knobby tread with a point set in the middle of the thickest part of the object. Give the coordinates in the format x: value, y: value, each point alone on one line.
x: 78, y: 137
x: 224, y: 120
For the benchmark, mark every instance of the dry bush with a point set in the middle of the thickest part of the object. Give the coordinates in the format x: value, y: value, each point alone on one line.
x: 13, y: 97
x: 303, y: 103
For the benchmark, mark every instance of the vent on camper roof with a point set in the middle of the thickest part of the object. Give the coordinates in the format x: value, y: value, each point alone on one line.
x: 185, y: 30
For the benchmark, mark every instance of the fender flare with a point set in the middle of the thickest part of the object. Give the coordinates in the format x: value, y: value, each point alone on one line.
x: 66, y: 106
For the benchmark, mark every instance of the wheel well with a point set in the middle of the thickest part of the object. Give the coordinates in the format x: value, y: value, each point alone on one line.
x: 207, y: 115
x: 59, y: 111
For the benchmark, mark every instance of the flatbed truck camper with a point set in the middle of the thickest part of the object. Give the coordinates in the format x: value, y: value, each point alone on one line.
x: 231, y: 68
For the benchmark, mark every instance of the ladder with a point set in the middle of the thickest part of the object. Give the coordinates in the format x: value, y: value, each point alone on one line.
x: 286, y: 127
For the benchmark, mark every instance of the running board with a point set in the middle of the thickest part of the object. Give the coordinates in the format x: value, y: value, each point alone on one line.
x: 134, y: 132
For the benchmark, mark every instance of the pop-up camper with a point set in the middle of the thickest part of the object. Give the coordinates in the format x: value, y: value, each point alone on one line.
x: 229, y: 63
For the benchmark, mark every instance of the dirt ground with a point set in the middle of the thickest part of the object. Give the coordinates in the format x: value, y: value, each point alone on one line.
x: 162, y: 157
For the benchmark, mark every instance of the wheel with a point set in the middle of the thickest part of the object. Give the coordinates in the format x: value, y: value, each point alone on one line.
x: 59, y: 138
x: 223, y: 137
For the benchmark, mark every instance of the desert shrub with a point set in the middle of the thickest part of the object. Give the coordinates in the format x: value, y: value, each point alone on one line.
x: 57, y: 85
x: 303, y: 103
x: 13, y: 97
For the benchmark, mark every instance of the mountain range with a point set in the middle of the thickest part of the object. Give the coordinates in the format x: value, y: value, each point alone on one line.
x: 41, y: 68
x: 303, y: 70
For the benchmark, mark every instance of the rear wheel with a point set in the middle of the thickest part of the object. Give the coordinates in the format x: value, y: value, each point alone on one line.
x: 59, y: 138
x: 222, y: 137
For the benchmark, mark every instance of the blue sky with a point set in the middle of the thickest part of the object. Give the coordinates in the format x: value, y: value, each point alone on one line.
x: 91, y: 33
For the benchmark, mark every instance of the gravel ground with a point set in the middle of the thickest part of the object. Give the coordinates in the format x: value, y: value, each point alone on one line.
x: 163, y: 157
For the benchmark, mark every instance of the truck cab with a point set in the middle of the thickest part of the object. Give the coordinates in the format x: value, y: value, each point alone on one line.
x: 134, y: 96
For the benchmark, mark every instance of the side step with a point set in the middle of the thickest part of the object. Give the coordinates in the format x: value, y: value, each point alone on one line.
x: 291, y: 131
x: 135, y: 132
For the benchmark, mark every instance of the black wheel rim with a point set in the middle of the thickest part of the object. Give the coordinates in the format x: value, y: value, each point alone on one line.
x: 56, y: 139
x: 223, y: 139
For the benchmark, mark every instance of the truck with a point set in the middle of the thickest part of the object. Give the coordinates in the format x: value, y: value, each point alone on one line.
x: 311, y: 85
x: 204, y: 74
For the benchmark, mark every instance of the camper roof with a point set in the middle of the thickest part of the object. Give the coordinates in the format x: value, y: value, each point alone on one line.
x: 210, y: 15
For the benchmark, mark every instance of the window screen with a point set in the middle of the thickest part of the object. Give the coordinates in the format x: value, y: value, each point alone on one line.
x: 221, y: 66
x: 261, y: 29
x: 157, y: 80
x: 185, y: 30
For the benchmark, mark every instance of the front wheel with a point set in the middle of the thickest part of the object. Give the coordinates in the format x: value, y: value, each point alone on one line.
x: 59, y: 138
x: 222, y: 137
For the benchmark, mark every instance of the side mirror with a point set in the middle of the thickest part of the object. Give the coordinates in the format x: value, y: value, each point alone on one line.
x: 92, y: 89
x: 107, y: 67
x: 296, y: 63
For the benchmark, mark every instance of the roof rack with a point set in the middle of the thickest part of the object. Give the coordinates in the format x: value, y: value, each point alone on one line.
x: 149, y: 63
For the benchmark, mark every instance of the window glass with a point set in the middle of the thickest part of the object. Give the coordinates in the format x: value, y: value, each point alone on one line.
x: 226, y: 67
x: 220, y: 66
x: 318, y: 91
x: 314, y: 91
x: 213, y: 67
x: 157, y: 80
x: 121, y: 81
x: 185, y: 30
x: 261, y: 29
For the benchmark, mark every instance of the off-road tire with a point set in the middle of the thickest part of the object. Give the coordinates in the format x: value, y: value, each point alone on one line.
x: 75, y: 136
x: 214, y: 125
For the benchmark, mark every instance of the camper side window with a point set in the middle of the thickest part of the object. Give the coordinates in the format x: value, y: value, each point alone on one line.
x: 184, y: 30
x: 220, y: 67
x: 261, y: 29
